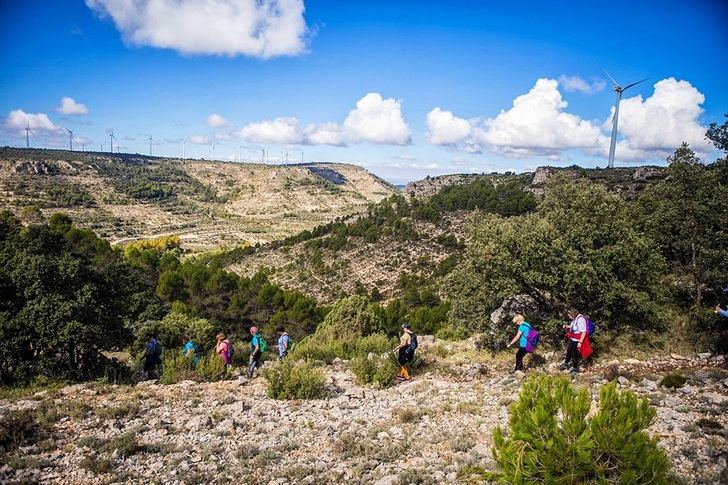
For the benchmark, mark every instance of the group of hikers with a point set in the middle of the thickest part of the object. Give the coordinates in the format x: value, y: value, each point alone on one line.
x: 578, y: 334
x: 224, y: 349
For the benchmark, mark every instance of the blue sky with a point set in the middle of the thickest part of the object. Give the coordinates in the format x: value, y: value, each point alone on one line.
x: 301, y: 79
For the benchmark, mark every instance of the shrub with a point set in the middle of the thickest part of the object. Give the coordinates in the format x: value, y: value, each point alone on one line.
x: 21, y: 427
x: 673, y: 381
x: 550, y: 438
x: 350, y: 318
x: 377, y: 369
x: 311, y: 349
x: 374, y: 343
x: 171, y: 331
x: 176, y: 368
x: 291, y: 379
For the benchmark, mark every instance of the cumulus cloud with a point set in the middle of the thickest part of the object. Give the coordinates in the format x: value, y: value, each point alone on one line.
x: 654, y: 127
x: 18, y: 120
x: 216, y: 121
x: 576, y: 83
x: 374, y: 120
x: 537, y: 124
x: 283, y: 131
x: 444, y: 128
x: 256, y: 28
x: 377, y: 120
x: 69, y: 106
x: 324, y: 134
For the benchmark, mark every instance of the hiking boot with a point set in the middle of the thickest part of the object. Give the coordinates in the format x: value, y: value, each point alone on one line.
x: 575, y: 371
x: 564, y: 366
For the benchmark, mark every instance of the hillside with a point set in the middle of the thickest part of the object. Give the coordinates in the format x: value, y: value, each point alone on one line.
x: 328, y: 264
x: 428, y: 431
x: 208, y: 203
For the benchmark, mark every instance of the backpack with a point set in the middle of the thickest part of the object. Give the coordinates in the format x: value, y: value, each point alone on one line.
x: 157, y: 348
x: 532, y: 339
x: 413, y: 342
x: 262, y: 344
x: 590, y: 325
x: 230, y: 351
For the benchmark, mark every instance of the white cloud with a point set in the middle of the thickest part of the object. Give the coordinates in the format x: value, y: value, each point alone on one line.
x: 654, y: 127
x: 405, y: 156
x: 537, y: 125
x: 69, y: 106
x: 283, y: 131
x: 18, y: 120
x: 216, y: 121
x: 200, y: 139
x: 324, y: 134
x: 257, y: 28
x: 446, y: 129
x: 377, y: 120
x: 576, y: 83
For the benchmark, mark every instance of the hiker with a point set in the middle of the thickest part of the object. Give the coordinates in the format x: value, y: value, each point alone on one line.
x: 578, y: 337
x: 721, y: 312
x: 191, y: 350
x: 522, y: 338
x: 256, y: 351
x: 283, y: 341
x: 152, y: 355
x: 406, y: 351
x: 223, y: 349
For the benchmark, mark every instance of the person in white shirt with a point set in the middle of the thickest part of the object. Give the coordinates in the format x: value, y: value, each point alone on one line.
x: 577, y: 333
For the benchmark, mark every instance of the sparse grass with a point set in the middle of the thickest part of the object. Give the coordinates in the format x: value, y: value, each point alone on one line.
x: 28, y: 462
x: 353, y: 446
x: 673, y: 381
x: 98, y: 465
x: 23, y: 427
x: 127, y: 409
x: 468, y: 407
x: 409, y: 414
x: 710, y: 426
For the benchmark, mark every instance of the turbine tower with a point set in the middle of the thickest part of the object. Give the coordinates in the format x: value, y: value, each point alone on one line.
x: 213, y: 147
x: 150, y: 140
x: 615, y: 119
x: 112, y: 138
x: 184, y: 140
x: 28, y: 131
x: 70, y: 138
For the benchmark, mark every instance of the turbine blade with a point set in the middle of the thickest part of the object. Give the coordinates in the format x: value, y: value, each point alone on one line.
x: 634, y: 84
x: 610, y: 77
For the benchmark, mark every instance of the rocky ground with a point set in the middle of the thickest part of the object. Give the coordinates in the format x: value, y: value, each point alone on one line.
x: 425, y: 431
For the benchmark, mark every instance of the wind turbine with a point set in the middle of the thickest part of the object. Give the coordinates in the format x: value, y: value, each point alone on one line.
x: 112, y: 138
x: 213, y: 147
x: 70, y: 138
x: 615, y: 119
x: 150, y: 140
x: 28, y: 131
x: 184, y: 140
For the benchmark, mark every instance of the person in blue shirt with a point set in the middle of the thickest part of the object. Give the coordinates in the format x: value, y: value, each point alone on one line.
x: 152, y: 356
x: 283, y: 341
x: 522, y: 338
x: 191, y: 350
x: 255, y: 351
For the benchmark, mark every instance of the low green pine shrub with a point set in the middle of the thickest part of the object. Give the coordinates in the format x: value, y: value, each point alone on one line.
x: 290, y: 379
x: 176, y: 368
x: 673, y: 381
x: 551, y: 439
x: 376, y: 369
x: 311, y: 349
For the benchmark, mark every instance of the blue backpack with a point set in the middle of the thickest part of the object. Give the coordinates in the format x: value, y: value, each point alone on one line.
x: 590, y: 325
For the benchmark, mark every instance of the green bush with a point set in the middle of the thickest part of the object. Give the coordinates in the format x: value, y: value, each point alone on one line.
x: 376, y: 369
x: 290, y: 379
x: 311, y: 349
x: 178, y: 367
x: 551, y: 439
x: 171, y: 331
x: 21, y: 427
